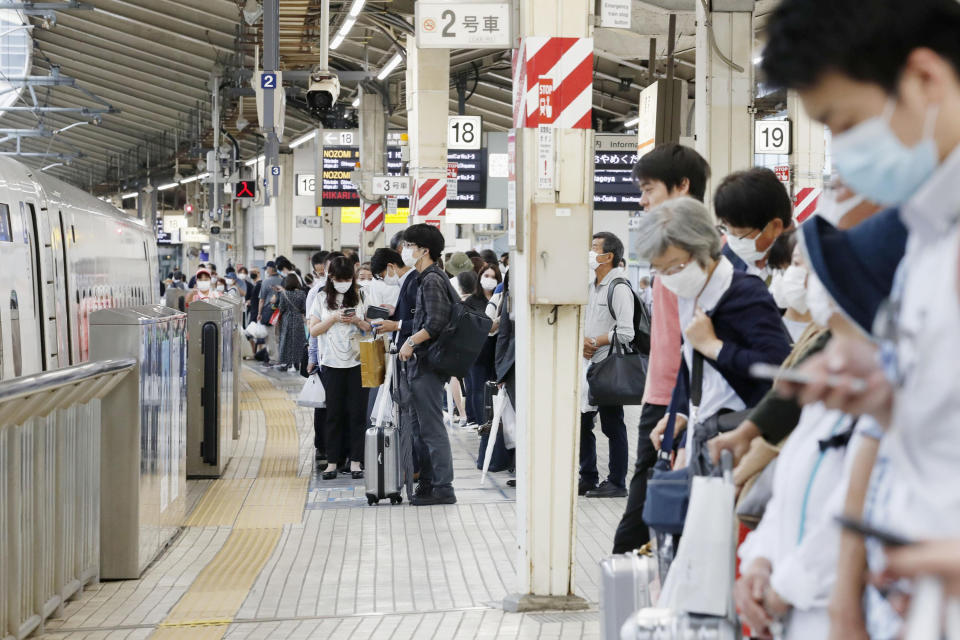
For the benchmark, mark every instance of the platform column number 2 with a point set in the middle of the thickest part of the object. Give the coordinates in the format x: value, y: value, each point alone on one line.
x: 464, y: 132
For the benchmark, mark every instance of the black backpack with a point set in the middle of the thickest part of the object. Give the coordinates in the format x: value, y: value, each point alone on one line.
x: 453, y: 352
x: 641, y: 317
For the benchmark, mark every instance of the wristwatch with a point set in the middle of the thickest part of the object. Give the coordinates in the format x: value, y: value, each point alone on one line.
x: 593, y: 342
x: 411, y: 343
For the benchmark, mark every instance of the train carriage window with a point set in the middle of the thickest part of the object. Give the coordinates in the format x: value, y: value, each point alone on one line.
x: 6, y: 230
x: 15, y: 334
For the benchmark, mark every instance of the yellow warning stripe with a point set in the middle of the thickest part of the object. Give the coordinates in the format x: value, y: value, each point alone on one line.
x: 255, y: 509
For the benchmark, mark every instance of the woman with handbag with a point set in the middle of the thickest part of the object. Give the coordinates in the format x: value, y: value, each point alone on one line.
x: 337, y: 317
x: 729, y: 318
x: 292, y: 301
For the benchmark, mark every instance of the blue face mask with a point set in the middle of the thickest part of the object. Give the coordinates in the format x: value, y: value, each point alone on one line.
x: 875, y: 164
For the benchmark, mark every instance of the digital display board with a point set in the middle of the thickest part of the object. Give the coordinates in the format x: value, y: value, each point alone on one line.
x: 163, y: 237
x: 613, y: 187
x: 338, y: 162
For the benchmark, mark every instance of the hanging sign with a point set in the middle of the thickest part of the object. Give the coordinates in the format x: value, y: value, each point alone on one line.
x: 442, y: 24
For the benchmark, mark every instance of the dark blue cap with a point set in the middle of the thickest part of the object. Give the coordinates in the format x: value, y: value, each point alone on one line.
x: 857, y: 265
x: 271, y: 265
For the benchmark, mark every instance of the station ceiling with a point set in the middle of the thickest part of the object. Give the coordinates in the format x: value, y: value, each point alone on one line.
x: 153, y: 62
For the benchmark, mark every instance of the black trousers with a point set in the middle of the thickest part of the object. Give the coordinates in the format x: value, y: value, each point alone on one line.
x: 632, y: 532
x: 346, y: 413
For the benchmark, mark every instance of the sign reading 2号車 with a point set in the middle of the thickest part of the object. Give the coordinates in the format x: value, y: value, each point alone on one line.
x: 442, y: 24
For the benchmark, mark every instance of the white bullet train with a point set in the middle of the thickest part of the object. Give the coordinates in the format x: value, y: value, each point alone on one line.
x: 63, y: 255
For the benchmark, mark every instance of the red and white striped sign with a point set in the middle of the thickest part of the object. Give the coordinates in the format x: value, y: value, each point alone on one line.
x: 805, y: 203
x: 430, y: 199
x: 373, y: 218
x: 553, y: 83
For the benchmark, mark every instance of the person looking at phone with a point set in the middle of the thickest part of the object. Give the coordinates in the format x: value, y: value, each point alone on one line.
x: 388, y: 268
x: 337, y: 316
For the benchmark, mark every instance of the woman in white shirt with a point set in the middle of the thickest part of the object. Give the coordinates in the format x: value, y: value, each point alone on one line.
x: 337, y: 318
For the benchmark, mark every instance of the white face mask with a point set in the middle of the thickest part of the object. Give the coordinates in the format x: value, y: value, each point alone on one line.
x: 392, y: 280
x: 243, y: 276
x: 488, y: 284
x: 220, y: 288
x: 203, y: 285
x: 819, y: 301
x: 688, y: 282
x: 230, y: 281
x: 322, y: 280
x: 408, y: 258
x: 342, y: 287
x: 793, y: 288
x: 592, y: 260
x: 364, y: 283
x: 746, y: 248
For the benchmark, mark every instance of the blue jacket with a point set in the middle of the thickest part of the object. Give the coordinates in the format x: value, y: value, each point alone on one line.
x: 406, y: 305
x: 748, y: 322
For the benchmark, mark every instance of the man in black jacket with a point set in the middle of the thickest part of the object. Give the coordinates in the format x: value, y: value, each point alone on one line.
x: 424, y: 246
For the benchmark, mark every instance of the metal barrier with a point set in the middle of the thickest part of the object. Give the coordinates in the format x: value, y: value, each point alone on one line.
x: 50, y: 489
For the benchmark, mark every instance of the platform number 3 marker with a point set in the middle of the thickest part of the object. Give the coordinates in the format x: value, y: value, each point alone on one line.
x: 464, y: 132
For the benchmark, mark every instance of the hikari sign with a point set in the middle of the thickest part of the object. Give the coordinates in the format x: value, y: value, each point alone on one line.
x: 245, y: 189
x: 463, y: 25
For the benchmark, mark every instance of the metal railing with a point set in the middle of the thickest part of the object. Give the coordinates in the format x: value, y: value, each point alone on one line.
x: 50, y: 489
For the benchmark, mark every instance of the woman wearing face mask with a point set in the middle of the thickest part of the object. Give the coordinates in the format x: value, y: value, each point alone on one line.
x: 203, y: 288
x: 729, y: 319
x: 337, y: 317
x: 789, y: 291
x: 756, y: 210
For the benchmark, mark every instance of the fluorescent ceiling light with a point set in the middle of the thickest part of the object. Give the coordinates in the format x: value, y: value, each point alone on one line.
x: 347, y: 25
x: 169, y: 185
x: 204, y: 176
x: 190, y: 179
x: 337, y: 41
x: 387, y: 70
x: 356, y: 101
x: 631, y: 122
x: 127, y: 196
x: 357, y: 7
x: 253, y: 161
x: 303, y: 139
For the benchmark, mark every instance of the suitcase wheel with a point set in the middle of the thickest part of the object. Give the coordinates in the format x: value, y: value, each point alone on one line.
x: 396, y: 499
x: 372, y: 499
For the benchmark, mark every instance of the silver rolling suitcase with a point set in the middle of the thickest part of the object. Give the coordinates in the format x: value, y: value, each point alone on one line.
x: 382, y: 464
x: 624, y: 588
x: 664, y: 624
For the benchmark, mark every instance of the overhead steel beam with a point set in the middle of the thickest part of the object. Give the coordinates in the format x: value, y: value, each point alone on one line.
x: 42, y: 8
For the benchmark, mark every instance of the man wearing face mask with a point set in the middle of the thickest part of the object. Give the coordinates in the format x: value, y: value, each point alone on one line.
x: 601, y: 326
x: 387, y: 266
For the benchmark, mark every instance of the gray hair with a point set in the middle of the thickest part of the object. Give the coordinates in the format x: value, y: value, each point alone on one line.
x: 682, y: 222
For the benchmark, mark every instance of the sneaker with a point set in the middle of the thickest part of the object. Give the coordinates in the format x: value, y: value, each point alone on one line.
x: 423, y: 490
x: 433, y: 498
x: 607, y: 490
x: 484, y: 429
x: 471, y: 426
x: 512, y: 482
x: 584, y: 487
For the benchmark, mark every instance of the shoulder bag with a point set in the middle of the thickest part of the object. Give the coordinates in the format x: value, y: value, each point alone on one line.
x: 619, y: 379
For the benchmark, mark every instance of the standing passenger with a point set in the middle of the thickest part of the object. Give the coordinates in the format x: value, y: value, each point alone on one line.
x: 292, y: 303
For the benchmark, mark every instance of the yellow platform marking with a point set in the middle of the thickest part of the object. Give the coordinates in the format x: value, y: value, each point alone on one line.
x: 255, y: 509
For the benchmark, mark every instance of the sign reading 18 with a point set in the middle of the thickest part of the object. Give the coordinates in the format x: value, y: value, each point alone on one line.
x: 464, y: 132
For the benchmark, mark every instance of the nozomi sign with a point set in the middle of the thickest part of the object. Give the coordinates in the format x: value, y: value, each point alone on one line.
x: 449, y: 24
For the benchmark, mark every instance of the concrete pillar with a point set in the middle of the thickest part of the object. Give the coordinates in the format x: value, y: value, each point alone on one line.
x: 809, y: 147
x: 549, y: 339
x: 724, y: 95
x: 373, y: 161
x: 428, y: 105
x: 284, y: 205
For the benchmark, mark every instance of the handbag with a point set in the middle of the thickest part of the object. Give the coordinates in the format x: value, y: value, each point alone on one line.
x: 373, y: 363
x: 619, y: 378
x: 313, y: 394
x: 274, y: 317
x: 453, y: 352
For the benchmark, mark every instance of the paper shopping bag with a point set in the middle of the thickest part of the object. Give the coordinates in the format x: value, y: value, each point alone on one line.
x: 373, y: 363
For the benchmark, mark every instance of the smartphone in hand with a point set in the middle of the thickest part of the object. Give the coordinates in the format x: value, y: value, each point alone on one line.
x: 865, y: 529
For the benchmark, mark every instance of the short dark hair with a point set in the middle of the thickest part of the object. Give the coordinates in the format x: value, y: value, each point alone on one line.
x: 478, y: 263
x: 283, y: 263
x: 333, y: 255
x: 291, y: 282
x: 467, y: 281
x: 341, y: 268
x: 354, y: 258
x: 426, y: 237
x: 670, y: 163
x: 396, y: 240
x: 752, y: 198
x: 472, y: 253
x: 489, y: 256
x: 382, y: 257
x: 212, y: 267
x: 867, y: 41
x: 319, y: 257
x: 611, y: 244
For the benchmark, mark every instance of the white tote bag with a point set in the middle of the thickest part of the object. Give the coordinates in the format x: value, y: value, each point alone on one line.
x: 312, y: 394
x: 701, y: 576
x: 509, y: 420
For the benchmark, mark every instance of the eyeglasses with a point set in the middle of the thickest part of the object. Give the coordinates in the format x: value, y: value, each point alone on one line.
x: 669, y: 271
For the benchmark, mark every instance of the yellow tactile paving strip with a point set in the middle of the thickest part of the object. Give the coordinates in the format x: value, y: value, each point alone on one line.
x: 256, y: 509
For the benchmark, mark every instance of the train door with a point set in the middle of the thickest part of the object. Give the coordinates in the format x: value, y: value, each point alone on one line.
x: 61, y: 301
x: 41, y: 257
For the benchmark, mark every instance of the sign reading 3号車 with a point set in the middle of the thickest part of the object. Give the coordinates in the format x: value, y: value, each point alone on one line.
x: 442, y: 24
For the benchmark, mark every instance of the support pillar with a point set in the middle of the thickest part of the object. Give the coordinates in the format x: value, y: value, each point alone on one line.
x: 373, y: 161
x: 549, y: 336
x: 428, y: 96
x: 724, y: 95
x: 809, y: 146
x: 284, y: 205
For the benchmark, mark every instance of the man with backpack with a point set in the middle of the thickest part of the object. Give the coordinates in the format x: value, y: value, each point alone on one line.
x: 602, y: 325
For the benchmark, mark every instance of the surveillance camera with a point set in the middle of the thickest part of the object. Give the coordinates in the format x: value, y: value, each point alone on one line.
x: 323, y: 92
x: 252, y: 11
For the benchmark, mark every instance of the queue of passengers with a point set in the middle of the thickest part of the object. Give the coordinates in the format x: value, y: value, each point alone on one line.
x: 861, y: 302
x: 314, y: 323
